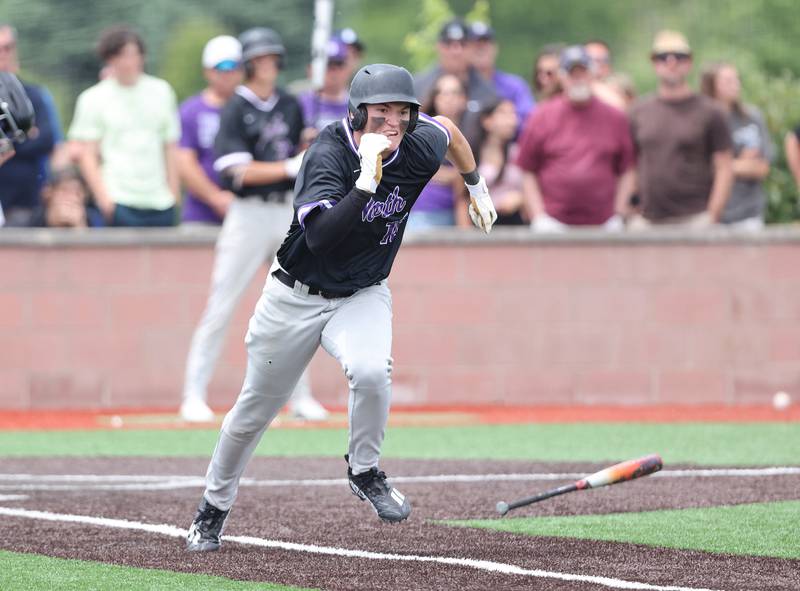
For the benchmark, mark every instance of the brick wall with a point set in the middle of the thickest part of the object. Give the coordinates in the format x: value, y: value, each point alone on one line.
x: 104, y: 320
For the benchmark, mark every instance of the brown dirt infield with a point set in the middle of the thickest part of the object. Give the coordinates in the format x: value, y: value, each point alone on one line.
x: 332, y: 516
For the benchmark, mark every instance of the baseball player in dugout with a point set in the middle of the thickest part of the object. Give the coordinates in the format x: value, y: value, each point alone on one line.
x: 328, y: 286
x: 256, y: 157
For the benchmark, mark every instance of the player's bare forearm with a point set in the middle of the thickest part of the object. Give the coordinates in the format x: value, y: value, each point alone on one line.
x: 264, y: 173
x: 459, y: 152
x: 723, y: 183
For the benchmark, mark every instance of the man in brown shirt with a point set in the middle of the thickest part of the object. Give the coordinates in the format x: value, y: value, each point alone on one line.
x: 683, y: 145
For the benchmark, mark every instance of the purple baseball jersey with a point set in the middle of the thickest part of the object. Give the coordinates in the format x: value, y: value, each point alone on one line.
x: 318, y: 112
x: 199, y: 126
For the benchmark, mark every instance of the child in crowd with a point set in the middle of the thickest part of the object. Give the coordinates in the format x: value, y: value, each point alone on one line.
x: 66, y: 202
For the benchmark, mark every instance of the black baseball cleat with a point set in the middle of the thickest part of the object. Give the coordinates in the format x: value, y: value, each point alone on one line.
x: 389, y: 503
x: 206, y: 529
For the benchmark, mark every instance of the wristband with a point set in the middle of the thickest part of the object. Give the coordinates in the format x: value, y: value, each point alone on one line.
x: 472, y: 177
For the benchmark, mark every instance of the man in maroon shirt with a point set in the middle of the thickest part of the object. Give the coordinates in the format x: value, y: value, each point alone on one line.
x: 576, y: 153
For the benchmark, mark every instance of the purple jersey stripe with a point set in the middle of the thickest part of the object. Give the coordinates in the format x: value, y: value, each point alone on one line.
x: 308, y: 208
x: 349, y: 132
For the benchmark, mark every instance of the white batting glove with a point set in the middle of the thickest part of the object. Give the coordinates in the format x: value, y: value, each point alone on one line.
x: 369, y: 153
x: 544, y: 223
x: 481, y: 209
x: 293, y: 165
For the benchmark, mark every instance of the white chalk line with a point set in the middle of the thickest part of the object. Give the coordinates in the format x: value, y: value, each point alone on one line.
x: 484, y: 565
x: 66, y: 482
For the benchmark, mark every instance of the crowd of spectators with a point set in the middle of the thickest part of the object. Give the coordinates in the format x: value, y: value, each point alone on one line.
x: 574, y: 146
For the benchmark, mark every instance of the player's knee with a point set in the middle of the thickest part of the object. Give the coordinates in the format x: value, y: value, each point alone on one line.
x: 370, y: 373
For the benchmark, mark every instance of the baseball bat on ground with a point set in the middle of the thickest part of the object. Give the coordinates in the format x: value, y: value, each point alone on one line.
x: 613, y: 474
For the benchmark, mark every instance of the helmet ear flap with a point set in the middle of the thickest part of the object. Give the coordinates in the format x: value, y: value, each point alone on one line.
x: 358, y: 118
x: 413, y: 118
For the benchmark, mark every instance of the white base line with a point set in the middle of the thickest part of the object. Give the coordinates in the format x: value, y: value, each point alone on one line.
x: 135, y: 482
x: 484, y: 565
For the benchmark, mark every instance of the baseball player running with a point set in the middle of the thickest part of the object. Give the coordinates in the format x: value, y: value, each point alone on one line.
x: 328, y: 286
x: 259, y: 133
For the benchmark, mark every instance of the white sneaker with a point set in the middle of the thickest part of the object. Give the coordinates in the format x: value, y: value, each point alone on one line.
x: 308, y: 409
x: 195, y: 410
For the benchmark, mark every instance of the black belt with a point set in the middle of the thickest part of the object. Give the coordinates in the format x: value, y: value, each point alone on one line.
x: 271, y: 197
x: 290, y: 281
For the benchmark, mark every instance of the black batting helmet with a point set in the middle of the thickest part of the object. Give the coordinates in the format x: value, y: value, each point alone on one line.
x: 381, y: 83
x: 261, y: 41
x: 16, y: 110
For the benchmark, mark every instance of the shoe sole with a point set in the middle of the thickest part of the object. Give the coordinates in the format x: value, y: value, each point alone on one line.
x: 356, y: 491
x: 203, y: 547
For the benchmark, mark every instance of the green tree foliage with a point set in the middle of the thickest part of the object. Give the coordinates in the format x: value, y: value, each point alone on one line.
x: 57, y: 38
x: 184, y: 47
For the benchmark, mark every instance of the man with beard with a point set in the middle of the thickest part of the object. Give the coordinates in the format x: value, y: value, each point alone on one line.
x: 576, y: 154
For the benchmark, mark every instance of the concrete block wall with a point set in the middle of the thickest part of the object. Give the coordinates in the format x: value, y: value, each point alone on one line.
x: 104, y: 320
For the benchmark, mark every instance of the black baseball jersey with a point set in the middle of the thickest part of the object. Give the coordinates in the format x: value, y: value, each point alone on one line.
x: 330, y: 169
x: 254, y: 129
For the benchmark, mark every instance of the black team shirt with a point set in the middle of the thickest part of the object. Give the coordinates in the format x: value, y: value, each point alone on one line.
x: 254, y: 129
x: 329, y: 172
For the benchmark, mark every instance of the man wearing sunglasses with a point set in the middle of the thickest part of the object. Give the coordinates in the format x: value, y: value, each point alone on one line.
x: 683, y: 145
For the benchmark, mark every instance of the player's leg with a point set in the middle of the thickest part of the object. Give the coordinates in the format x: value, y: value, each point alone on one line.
x: 242, y: 248
x: 302, y: 403
x: 359, y: 336
x: 283, y: 334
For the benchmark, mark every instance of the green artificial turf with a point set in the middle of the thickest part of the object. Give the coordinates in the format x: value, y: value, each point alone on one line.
x: 701, y: 443
x: 758, y: 529
x: 32, y: 572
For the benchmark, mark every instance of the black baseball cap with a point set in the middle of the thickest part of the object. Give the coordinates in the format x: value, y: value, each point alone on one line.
x: 454, y: 30
x: 575, y: 55
x: 479, y: 31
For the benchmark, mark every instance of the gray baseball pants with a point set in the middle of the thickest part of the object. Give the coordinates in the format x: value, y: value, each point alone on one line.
x: 286, y: 328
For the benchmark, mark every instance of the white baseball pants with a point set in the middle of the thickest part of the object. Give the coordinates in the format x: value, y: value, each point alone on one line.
x: 251, y: 234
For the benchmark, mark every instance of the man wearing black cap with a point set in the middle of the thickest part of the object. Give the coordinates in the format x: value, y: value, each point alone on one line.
x: 576, y: 153
x: 257, y: 159
x: 454, y: 59
x: 482, y: 51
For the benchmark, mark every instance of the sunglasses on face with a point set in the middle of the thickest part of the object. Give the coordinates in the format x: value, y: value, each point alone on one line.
x: 677, y: 56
